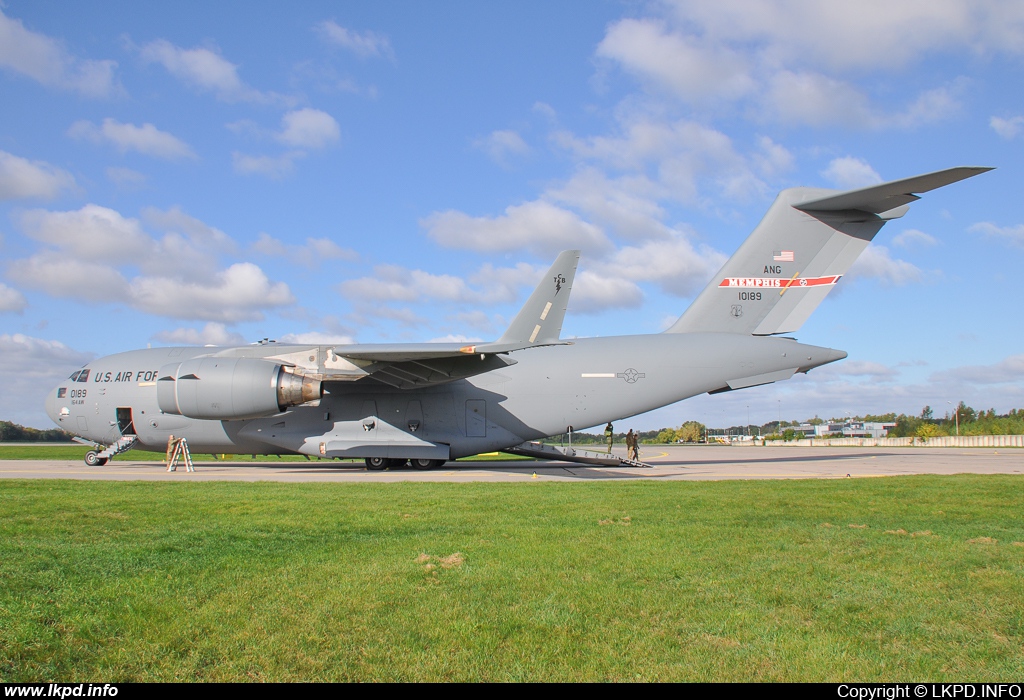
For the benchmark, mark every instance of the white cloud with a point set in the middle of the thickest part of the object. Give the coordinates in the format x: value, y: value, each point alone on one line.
x: 500, y: 146
x: 22, y: 179
x: 930, y: 106
x: 396, y: 283
x: 90, y: 233
x: 11, y: 300
x: 872, y: 371
x: 678, y: 156
x: 480, y: 321
x: 45, y: 60
x: 311, y: 254
x: 366, y: 44
x: 239, y: 293
x: 1010, y: 369
x: 309, y: 128
x: 674, y: 264
x: 276, y: 168
x: 92, y: 253
x: 455, y: 338
x: 546, y: 111
x: 815, y: 100
x: 788, y: 57
x: 850, y: 173
x: 503, y: 284
x: 912, y: 238
x: 1014, y: 235
x: 145, y: 139
x: 773, y: 158
x: 536, y: 226
x: 694, y: 70
x: 32, y: 367
x: 593, y: 293
x: 61, y: 275
x: 628, y: 204
x: 205, y: 69
x: 126, y: 177
x: 369, y: 314
x: 873, y: 34
x: 1007, y: 128
x: 317, y: 338
x: 211, y: 334
x: 174, y: 220
x: 488, y: 285
x: 876, y: 262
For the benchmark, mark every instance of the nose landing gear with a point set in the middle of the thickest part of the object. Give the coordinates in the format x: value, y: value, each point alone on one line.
x: 93, y: 459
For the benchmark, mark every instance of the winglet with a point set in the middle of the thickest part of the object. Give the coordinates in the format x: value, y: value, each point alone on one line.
x: 540, y: 319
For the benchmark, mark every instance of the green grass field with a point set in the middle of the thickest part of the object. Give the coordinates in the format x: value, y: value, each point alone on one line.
x: 902, y: 578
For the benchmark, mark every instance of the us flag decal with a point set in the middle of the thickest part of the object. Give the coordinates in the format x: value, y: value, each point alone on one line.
x: 782, y: 256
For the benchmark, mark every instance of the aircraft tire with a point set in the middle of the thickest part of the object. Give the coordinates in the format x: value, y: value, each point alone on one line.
x: 92, y: 459
x: 376, y: 464
x: 425, y: 464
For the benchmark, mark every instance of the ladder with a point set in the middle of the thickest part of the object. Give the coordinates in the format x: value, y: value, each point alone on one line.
x: 123, y: 444
x: 572, y: 454
x: 178, y: 449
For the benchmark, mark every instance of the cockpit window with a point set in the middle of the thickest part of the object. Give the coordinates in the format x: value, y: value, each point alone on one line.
x: 83, y: 376
x: 74, y: 377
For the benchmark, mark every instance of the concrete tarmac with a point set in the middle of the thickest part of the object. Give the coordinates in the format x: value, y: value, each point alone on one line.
x: 673, y: 462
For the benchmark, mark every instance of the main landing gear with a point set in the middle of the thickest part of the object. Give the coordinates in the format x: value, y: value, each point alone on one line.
x: 376, y: 464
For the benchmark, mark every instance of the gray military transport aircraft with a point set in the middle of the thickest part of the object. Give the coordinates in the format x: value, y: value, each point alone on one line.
x: 427, y: 403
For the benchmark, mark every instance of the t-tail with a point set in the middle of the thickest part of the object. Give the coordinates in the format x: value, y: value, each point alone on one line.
x: 800, y: 250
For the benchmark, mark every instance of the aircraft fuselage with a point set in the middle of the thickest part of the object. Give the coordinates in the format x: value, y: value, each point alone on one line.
x: 589, y: 382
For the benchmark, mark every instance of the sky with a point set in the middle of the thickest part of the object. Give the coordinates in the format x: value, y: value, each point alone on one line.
x: 218, y: 173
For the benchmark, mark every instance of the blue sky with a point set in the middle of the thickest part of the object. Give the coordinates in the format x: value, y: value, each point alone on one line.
x: 196, y: 173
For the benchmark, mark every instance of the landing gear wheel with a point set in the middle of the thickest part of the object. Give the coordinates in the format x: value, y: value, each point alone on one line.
x: 425, y: 464
x: 376, y: 464
x: 93, y: 459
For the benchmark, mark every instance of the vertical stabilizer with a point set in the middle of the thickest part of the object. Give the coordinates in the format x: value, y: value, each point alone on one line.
x: 800, y: 250
x: 540, y: 319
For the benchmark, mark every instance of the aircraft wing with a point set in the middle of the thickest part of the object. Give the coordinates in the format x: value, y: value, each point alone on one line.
x: 418, y: 365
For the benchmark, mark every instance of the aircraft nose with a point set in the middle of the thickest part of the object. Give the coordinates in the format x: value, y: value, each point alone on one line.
x: 51, y: 405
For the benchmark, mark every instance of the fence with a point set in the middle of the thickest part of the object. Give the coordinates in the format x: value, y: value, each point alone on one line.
x: 945, y: 441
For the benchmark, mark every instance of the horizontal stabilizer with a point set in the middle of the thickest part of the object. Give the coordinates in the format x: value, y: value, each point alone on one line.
x: 889, y: 195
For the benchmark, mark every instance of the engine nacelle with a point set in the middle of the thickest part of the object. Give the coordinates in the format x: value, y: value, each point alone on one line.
x: 231, y: 388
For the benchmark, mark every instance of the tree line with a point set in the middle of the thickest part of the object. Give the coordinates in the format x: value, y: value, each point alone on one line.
x: 12, y: 432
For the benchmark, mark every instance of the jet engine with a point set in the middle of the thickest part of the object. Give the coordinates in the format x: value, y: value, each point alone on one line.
x: 231, y: 388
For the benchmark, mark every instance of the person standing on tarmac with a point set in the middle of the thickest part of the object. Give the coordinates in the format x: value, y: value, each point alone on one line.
x: 609, y: 436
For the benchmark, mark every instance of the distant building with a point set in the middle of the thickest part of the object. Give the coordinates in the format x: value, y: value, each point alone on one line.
x: 847, y: 429
x: 867, y: 430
